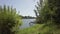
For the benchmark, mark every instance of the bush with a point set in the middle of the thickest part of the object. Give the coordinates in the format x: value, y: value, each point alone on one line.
x: 9, y: 20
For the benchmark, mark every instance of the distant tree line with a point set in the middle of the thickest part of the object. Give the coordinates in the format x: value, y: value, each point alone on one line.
x: 27, y: 17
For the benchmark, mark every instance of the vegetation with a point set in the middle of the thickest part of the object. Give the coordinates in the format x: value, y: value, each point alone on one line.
x: 48, y: 19
x: 49, y: 14
x: 27, y: 17
x: 31, y: 30
x: 9, y: 20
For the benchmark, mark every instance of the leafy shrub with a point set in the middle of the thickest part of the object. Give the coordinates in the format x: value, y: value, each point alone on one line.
x: 9, y: 20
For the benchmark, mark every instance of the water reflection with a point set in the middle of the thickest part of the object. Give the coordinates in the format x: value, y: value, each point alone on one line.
x: 27, y: 23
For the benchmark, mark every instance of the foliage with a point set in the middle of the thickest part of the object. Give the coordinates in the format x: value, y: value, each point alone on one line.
x: 9, y: 20
x: 31, y: 30
x: 54, y: 5
x: 49, y: 10
x: 49, y: 14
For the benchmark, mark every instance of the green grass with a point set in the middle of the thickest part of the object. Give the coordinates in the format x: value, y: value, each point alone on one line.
x: 53, y: 29
x: 31, y: 30
x: 38, y: 29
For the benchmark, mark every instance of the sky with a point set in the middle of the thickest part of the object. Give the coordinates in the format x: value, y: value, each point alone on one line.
x: 25, y: 7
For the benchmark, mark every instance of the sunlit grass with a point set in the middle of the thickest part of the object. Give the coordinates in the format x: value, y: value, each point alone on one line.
x: 31, y: 30
x: 38, y: 29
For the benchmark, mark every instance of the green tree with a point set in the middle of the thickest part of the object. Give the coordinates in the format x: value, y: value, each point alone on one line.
x: 49, y: 14
x: 46, y: 10
x: 42, y: 10
x: 9, y: 20
x: 54, y: 5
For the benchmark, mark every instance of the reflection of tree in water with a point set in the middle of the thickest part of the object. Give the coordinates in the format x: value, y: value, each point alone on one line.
x: 31, y: 23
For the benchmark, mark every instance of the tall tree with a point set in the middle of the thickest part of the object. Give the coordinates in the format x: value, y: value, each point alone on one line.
x: 48, y: 10
x: 40, y: 9
x: 54, y: 5
x: 49, y: 15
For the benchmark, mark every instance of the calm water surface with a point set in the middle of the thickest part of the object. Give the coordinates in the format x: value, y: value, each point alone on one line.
x: 27, y: 23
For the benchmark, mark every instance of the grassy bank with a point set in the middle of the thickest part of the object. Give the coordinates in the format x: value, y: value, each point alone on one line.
x: 38, y: 29
x: 31, y: 30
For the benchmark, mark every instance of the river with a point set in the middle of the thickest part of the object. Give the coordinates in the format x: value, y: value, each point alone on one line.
x: 27, y: 23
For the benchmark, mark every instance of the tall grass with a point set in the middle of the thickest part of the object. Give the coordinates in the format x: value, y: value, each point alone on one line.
x: 9, y: 20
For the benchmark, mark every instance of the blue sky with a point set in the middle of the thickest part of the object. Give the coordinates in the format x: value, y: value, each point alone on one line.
x: 25, y: 7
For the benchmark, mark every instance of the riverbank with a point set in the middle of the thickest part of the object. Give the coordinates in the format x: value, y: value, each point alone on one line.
x: 31, y: 30
x: 38, y: 29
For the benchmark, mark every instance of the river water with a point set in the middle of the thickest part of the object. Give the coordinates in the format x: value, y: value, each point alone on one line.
x: 27, y: 23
